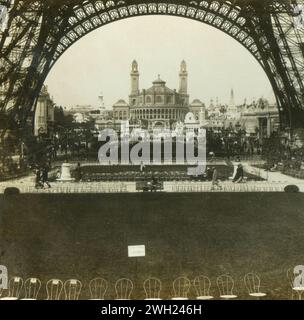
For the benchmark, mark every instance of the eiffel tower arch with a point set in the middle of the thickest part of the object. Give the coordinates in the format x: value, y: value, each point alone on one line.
x: 39, y: 32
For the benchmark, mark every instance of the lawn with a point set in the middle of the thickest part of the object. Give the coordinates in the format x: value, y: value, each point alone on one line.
x: 84, y: 236
x: 162, y: 173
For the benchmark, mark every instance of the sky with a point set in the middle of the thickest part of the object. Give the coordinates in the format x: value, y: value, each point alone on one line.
x: 100, y: 63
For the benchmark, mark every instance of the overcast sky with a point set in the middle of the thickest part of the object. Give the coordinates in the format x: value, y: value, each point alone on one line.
x: 100, y: 62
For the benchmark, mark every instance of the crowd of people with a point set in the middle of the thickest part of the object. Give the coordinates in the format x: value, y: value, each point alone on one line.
x: 230, y: 142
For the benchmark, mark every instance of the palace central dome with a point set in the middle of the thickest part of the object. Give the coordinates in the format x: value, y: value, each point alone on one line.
x: 157, y: 106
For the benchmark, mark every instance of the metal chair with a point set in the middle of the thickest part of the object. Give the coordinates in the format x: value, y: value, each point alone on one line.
x: 181, y: 288
x: 123, y: 289
x: 252, y: 283
x: 291, y: 275
x: 72, y: 289
x: 15, y: 286
x: 225, y: 284
x: 202, y: 285
x: 32, y: 287
x: 152, y: 287
x: 98, y: 288
x: 53, y: 289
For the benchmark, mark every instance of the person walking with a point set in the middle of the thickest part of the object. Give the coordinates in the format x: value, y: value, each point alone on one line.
x: 45, y: 177
x: 38, y: 183
x: 78, y: 172
x: 215, y: 180
x: 239, y: 176
x: 142, y: 166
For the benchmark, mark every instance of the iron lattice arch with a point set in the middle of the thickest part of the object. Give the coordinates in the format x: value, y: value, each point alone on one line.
x: 95, y: 14
x: 39, y: 32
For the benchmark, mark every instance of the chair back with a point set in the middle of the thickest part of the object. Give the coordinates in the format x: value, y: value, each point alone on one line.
x: 15, y: 286
x: 123, y: 289
x: 98, y: 288
x: 54, y: 289
x: 72, y: 289
x: 252, y: 283
x: 152, y: 287
x: 202, y: 285
x: 32, y: 287
x: 181, y: 287
x: 225, y: 284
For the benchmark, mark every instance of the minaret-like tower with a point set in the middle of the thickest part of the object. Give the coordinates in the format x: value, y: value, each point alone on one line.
x: 232, y: 102
x: 134, y: 78
x: 102, y: 105
x: 183, y: 78
x: 232, y: 111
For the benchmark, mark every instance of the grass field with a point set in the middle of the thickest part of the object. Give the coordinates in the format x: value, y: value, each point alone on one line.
x: 84, y: 236
x: 163, y: 172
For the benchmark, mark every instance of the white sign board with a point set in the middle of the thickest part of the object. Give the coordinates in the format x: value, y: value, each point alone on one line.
x: 136, y: 251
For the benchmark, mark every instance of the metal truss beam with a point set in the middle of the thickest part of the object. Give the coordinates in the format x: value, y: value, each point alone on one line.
x: 39, y: 32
